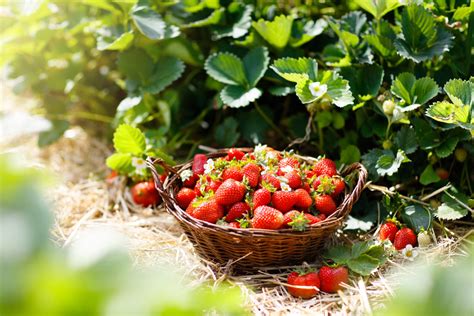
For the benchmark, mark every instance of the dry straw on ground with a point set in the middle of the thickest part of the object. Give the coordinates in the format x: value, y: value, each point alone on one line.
x: 81, y: 200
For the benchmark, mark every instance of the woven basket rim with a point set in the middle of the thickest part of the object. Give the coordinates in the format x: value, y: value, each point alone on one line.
x: 167, y: 192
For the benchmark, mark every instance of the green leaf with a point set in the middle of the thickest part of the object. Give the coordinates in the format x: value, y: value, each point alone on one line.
x: 121, y: 42
x: 238, y: 96
x: 452, y: 206
x: 369, y: 160
x: 255, y: 64
x: 429, y: 176
x: 129, y: 140
x: 303, y: 92
x: 281, y: 91
x: 462, y: 13
x: 405, y: 139
x: 184, y: 49
x: 339, y: 254
x: 350, y: 154
x: 226, y: 68
x: 416, y: 217
x: 166, y: 71
x: 102, y: 4
x: 305, y: 32
x: 364, y: 80
x: 449, y: 113
x: 324, y: 119
x: 377, y: 252
x: 135, y: 63
x: 339, y: 90
x: 460, y: 92
x: 120, y: 162
x: 151, y: 24
x: 382, y: 40
x: 277, y: 32
x: 388, y: 164
x: 414, y: 91
x: 363, y: 265
x: 296, y: 70
x: 238, y: 26
x: 378, y: 8
x: 359, y: 248
x: 226, y: 133
x: 447, y: 146
x: 211, y: 19
x: 428, y: 138
x: 421, y: 38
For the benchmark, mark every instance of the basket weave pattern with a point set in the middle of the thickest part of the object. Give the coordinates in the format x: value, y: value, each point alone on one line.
x: 250, y: 249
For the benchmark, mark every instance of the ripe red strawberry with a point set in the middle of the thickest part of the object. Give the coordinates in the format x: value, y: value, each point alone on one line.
x: 252, y: 172
x: 325, y: 204
x: 237, y: 211
x: 191, y: 181
x: 296, y: 220
x: 289, y: 162
x: 388, y: 231
x: 442, y: 173
x: 324, y: 184
x: 272, y: 180
x: 266, y: 217
x: 404, y: 237
x: 294, y: 179
x: 110, y: 178
x: 234, y: 224
x: 261, y: 197
x: 232, y: 173
x: 208, y: 210
x: 184, y: 197
x: 230, y: 192
x: 191, y: 206
x: 331, y: 278
x: 145, y: 194
x: 198, y: 163
x: 303, y: 199
x: 284, y: 200
x: 313, y: 219
x: 234, y: 154
x: 339, y: 187
x: 309, y: 283
x: 325, y: 166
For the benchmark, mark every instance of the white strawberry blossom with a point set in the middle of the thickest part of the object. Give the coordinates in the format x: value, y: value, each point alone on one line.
x: 409, y: 253
x: 287, y: 169
x: 139, y: 164
x: 317, y: 89
x: 186, y: 174
x: 209, y: 166
x: 285, y: 187
x: 259, y: 149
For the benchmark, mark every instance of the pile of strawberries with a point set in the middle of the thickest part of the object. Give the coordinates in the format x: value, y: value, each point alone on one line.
x: 264, y: 189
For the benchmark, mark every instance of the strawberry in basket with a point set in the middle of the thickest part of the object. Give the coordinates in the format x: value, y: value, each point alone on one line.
x: 258, y: 189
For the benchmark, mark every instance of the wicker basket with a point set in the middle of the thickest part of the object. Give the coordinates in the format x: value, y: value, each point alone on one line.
x: 250, y: 249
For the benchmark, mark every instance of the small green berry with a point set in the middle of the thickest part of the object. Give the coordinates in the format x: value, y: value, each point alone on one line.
x: 424, y: 239
x: 388, y: 107
x: 460, y: 154
x: 387, y: 144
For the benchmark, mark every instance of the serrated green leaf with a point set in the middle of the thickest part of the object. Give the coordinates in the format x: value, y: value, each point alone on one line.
x: 447, y: 146
x: 129, y: 140
x: 421, y: 38
x: 277, y: 32
x: 238, y: 96
x: 339, y: 254
x: 402, y: 86
x: 281, y: 91
x: 226, y: 133
x: 350, y: 154
x: 296, y: 70
x: 460, y: 92
x: 363, y: 265
x: 359, y: 248
x: 303, y: 32
x: 303, y: 92
x: 388, y: 164
x: 238, y: 26
x: 405, y: 139
x: 382, y: 40
x: 151, y: 24
x: 462, y: 13
x: 121, y: 42
x: 424, y: 90
x: 255, y: 64
x: 213, y: 18
x: 377, y: 252
x: 451, y: 208
x: 369, y: 160
x: 416, y: 217
x: 447, y: 112
x: 226, y: 68
x: 429, y: 176
x: 414, y: 91
x: 363, y: 79
x: 378, y: 8
x: 184, y: 49
x: 135, y: 63
x: 166, y: 71
x: 428, y: 138
x: 120, y: 162
x: 339, y: 91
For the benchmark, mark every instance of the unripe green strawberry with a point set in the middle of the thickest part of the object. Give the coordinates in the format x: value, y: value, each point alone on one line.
x: 424, y: 239
x: 387, y: 144
x: 460, y: 154
x: 388, y: 107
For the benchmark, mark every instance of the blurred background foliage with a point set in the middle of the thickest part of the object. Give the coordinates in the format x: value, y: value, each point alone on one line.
x: 92, y: 276
x: 203, y: 72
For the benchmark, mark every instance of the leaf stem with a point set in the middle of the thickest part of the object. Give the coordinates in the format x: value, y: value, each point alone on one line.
x: 268, y: 120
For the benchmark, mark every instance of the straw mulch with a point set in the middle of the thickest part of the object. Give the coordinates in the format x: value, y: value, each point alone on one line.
x: 82, y: 200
